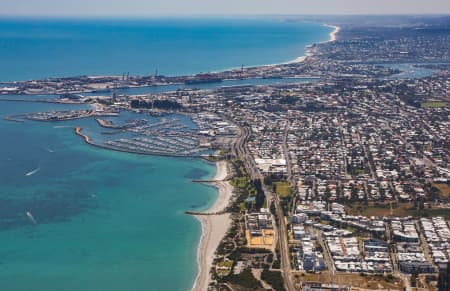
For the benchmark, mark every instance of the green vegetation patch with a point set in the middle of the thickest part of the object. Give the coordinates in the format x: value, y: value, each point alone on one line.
x: 283, y: 189
x: 398, y: 210
x: 251, y: 196
x: 240, y: 182
x: 224, y: 268
x: 244, y: 279
x: 434, y: 104
x: 379, y: 209
x: 365, y: 281
x: 274, y: 278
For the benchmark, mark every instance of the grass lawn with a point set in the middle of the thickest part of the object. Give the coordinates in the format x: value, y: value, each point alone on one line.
x: 223, y: 268
x: 239, y: 182
x: 282, y: 189
x: 378, y: 209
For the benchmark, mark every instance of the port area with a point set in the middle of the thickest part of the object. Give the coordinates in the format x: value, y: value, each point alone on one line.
x: 285, y: 73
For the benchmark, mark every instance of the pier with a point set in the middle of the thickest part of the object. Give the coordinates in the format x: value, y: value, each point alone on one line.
x: 14, y: 118
x: 108, y: 124
x: 85, y: 137
x: 205, y: 213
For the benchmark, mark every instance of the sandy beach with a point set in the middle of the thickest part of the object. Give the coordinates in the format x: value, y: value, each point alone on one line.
x: 334, y: 33
x: 214, y: 228
x: 297, y: 60
x: 333, y: 37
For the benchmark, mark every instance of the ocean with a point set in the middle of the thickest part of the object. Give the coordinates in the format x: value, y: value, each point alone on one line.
x: 54, y: 48
x: 107, y: 220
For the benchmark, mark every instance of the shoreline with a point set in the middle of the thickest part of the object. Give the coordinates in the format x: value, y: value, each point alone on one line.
x: 332, y: 37
x: 214, y: 228
x: 333, y: 34
x: 299, y: 59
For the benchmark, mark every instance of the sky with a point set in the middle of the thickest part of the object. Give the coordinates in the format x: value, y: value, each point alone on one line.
x: 144, y: 8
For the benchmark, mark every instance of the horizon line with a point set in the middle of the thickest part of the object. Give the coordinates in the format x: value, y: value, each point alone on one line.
x: 214, y: 15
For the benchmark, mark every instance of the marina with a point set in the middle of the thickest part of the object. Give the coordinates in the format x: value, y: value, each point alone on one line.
x: 163, y: 137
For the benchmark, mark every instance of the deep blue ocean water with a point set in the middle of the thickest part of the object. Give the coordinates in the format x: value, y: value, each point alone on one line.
x: 109, y: 220
x: 45, y: 48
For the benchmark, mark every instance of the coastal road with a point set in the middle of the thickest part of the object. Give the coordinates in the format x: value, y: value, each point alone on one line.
x: 241, y: 150
x: 284, y: 246
x: 286, y: 151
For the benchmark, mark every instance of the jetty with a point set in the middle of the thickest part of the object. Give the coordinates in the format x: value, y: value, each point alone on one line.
x: 207, y: 181
x: 205, y: 213
x: 14, y: 118
x: 85, y: 137
x: 108, y: 124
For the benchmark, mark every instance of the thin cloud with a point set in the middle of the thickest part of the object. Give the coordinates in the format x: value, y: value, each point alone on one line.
x: 218, y: 7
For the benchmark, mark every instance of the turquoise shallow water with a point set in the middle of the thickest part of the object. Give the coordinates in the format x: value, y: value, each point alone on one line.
x: 109, y: 220
x: 106, y: 220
